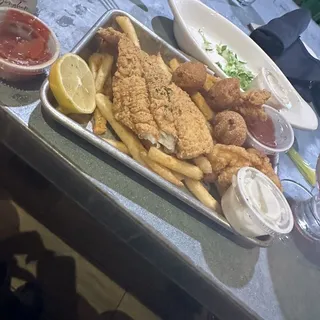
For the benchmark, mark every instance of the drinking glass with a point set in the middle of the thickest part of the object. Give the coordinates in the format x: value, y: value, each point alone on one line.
x: 305, y: 207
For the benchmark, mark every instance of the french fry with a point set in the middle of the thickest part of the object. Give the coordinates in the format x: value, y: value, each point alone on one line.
x: 127, y: 137
x: 210, y: 81
x: 107, y: 88
x: 163, y: 66
x: 174, y: 164
x: 178, y: 175
x: 197, y: 97
x: 201, y: 193
x: 174, y: 64
x: 204, y: 164
x: 128, y: 28
x: 99, y: 123
x: 201, y: 103
x: 94, y: 63
x: 118, y: 145
x: 162, y: 171
x: 103, y: 72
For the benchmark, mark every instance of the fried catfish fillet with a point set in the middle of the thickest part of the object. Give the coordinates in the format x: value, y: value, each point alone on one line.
x: 250, y: 105
x: 131, y: 105
x: 148, y: 103
x: 194, y: 137
x: 157, y: 82
x: 226, y: 161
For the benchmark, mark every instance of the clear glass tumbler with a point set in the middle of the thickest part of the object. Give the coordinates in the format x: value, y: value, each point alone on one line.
x: 246, y: 2
x: 307, y: 212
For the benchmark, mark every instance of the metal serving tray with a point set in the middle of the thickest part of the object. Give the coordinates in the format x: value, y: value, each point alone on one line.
x: 152, y: 44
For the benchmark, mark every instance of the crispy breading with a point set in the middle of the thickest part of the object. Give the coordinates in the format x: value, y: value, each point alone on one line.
x: 148, y: 103
x: 249, y: 112
x: 255, y: 98
x: 157, y: 81
x: 131, y: 103
x: 194, y: 137
x: 190, y: 76
x: 230, y: 128
x: 226, y: 161
x: 251, y: 102
x: 110, y: 35
x: 224, y: 94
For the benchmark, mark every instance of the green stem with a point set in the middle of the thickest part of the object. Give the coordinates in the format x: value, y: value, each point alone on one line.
x: 308, y: 173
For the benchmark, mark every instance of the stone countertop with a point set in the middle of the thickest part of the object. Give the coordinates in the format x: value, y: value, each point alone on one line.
x: 234, y: 282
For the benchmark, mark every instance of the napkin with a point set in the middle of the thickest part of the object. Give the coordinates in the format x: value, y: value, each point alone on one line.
x: 280, y: 39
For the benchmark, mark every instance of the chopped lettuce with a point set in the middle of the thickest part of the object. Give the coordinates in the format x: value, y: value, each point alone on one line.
x: 235, y: 68
x: 207, y: 45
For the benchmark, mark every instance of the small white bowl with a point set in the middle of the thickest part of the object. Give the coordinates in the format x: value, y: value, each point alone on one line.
x: 283, y: 133
x: 282, y: 95
x: 12, y: 71
x: 255, y: 206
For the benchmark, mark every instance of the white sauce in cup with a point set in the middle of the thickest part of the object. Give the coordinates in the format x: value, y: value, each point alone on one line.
x: 254, y: 205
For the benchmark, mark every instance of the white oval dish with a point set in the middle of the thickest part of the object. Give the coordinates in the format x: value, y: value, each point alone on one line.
x: 191, y: 15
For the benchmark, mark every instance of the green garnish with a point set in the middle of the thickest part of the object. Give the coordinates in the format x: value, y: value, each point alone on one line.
x: 308, y: 173
x: 207, y: 45
x: 234, y: 67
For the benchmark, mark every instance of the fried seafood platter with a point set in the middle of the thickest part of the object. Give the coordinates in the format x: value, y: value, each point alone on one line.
x: 174, y: 118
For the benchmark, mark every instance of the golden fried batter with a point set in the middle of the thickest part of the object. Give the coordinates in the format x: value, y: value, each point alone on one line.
x: 224, y: 94
x: 130, y: 93
x: 194, y: 138
x: 190, y: 76
x: 226, y: 161
x: 148, y: 103
x: 230, y: 128
x: 255, y: 98
x: 157, y: 82
x: 250, y: 104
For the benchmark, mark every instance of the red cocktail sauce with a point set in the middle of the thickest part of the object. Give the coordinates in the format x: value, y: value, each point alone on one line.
x: 263, y: 131
x: 26, y: 47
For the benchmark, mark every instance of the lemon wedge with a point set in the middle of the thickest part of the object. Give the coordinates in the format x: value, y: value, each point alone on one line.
x: 72, y: 84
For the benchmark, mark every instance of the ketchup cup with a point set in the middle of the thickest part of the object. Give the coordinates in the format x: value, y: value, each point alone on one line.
x: 283, y: 134
x: 27, y: 45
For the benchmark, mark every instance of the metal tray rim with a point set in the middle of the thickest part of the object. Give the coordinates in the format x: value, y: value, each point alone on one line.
x: 128, y: 161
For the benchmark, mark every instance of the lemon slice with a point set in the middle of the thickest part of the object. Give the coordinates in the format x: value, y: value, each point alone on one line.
x: 72, y: 84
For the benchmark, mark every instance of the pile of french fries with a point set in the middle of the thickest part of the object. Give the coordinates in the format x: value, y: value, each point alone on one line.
x: 180, y: 173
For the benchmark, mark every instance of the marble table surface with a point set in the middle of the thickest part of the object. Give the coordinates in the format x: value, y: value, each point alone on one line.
x: 233, y: 281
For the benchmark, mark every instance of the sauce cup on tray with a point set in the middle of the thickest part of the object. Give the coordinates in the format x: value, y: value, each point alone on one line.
x: 282, y: 95
x: 255, y: 206
x: 27, y: 45
x: 272, y: 136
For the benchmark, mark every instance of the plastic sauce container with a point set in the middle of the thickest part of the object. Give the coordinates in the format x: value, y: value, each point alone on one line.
x: 283, y: 134
x: 254, y: 205
x: 27, y: 45
x: 282, y: 95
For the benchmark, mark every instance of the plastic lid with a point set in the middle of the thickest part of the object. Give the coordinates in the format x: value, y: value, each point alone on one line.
x: 268, y: 208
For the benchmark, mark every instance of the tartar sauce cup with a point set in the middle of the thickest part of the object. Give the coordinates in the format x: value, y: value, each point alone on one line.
x: 284, y: 135
x: 254, y: 205
x: 282, y: 95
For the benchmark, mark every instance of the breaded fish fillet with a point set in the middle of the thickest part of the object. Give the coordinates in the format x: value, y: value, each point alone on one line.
x: 157, y: 82
x: 194, y: 137
x: 148, y: 103
x: 131, y: 103
x: 226, y: 161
